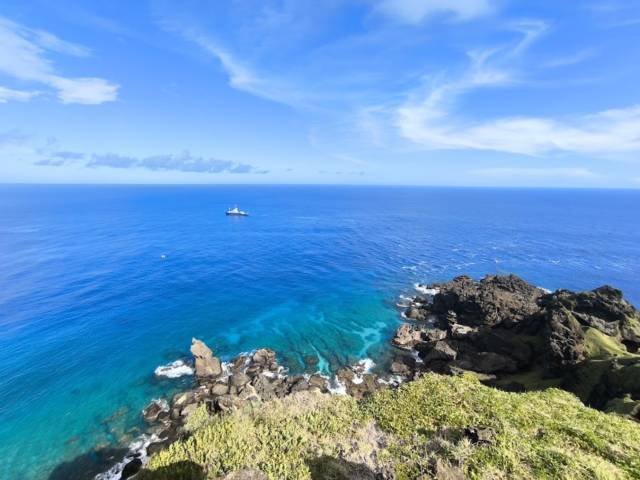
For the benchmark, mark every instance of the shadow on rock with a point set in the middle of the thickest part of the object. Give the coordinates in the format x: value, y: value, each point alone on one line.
x: 184, y: 470
x: 88, y: 465
x: 330, y: 468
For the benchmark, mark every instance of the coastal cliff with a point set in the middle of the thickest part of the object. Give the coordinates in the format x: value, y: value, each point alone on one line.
x: 492, y: 378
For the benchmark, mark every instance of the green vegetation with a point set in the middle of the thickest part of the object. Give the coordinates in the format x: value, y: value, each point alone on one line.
x: 422, y: 426
x: 600, y: 346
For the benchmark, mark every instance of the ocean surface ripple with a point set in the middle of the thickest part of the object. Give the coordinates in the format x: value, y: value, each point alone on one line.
x: 102, y: 285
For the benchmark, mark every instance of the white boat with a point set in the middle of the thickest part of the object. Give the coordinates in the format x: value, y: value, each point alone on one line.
x: 236, y: 212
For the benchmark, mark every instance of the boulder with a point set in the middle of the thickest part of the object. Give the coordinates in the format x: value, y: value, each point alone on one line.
x: 415, y: 313
x: 219, y: 388
x: 263, y: 356
x: 227, y: 403
x: 239, y: 379
x: 407, y: 336
x: 206, y: 365
x: 131, y: 468
x: 442, y: 350
x: 152, y: 411
x: 563, y: 337
x: 299, y: 385
x: 319, y: 382
x: 403, y: 366
x: 249, y: 394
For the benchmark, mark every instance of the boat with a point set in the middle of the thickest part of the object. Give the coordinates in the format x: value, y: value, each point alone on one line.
x: 236, y: 212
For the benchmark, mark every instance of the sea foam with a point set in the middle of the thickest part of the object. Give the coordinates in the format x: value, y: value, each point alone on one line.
x: 175, y: 369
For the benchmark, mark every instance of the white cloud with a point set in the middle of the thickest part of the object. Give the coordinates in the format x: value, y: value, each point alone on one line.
x: 535, y: 173
x: 428, y: 119
x: 415, y: 11
x: 8, y: 94
x: 241, y: 76
x: 574, y: 59
x: 24, y: 56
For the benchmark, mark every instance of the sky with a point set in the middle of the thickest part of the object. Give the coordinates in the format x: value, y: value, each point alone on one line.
x: 403, y: 92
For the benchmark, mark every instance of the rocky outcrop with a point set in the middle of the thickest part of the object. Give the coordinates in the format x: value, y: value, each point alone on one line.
x: 501, y: 327
x: 206, y: 365
x: 494, y: 300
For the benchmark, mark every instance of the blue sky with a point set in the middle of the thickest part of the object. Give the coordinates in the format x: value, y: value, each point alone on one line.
x: 425, y: 92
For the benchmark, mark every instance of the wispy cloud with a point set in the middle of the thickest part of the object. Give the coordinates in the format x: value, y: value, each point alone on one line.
x: 9, y: 94
x: 183, y: 162
x: 24, y: 55
x: 416, y: 11
x: 534, y: 173
x: 428, y: 118
x: 573, y: 59
x: 241, y: 76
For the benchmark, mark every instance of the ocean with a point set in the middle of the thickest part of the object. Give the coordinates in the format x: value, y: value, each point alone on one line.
x: 100, y: 285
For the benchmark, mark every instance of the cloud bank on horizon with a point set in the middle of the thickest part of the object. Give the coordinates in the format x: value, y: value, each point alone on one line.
x: 466, y: 92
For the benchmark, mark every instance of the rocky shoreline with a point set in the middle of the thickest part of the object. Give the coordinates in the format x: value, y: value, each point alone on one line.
x: 508, y: 333
x: 517, y: 337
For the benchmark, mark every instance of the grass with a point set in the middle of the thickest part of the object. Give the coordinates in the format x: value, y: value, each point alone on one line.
x: 542, y: 434
x: 599, y: 346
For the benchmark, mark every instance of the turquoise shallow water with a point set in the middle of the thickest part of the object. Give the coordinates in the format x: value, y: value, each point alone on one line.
x: 100, y: 285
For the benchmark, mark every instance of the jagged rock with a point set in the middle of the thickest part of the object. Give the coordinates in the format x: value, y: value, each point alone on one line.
x: 239, y: 363
x: 563, y: 337
x: 264, y: 387
x: 206, y: 365
x: 182, y: 398
x: 488, y: 362
x: 226, y: 403
x: 219, y: 388
x: 264, y: 356
x: 415, y: 313
x: 239, y: 379
x: 403, y: 366
x: 319, y: 382
x: 152, y: 411
x: 407, y: 336
x: 503, y: 342
x: 494, y: 300
x: 131, y: 468
x: 249, y: 394
x: 461, y: 331
x: 441, y: 351
x: 299, y: 385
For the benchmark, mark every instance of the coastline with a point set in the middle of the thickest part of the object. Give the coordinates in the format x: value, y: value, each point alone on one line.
x: 456, y: 328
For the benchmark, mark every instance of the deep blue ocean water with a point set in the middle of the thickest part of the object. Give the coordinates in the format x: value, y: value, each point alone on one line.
x: 101, y: 284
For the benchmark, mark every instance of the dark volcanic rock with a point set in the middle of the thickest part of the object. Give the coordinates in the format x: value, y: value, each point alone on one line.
x: 131, y: 468
x: 563, y: 337
x: 494, y: 300
x: 502, y: 325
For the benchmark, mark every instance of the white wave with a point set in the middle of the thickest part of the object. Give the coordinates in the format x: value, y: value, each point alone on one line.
x: 361, y: 368
x: 336, y: 387
x: 415, y: 354
x: 137, y: 449
x: 425, y: 290
x: 392, y: 380
x: 404, y: 302
x: 174, y: 369
x: 162, y: 403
